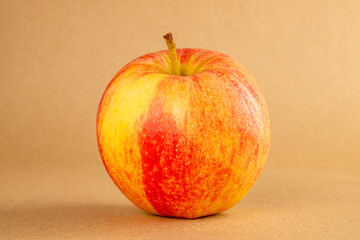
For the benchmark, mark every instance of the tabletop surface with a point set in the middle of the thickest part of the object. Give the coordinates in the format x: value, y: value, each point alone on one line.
x: 77, y: 202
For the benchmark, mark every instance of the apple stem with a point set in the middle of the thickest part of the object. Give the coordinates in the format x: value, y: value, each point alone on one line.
x: 173, y: 54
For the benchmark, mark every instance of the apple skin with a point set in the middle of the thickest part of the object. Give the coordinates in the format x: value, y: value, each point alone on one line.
x: 183, y: 146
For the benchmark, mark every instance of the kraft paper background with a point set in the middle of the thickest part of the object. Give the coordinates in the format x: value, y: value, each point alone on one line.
x: 57, y: 57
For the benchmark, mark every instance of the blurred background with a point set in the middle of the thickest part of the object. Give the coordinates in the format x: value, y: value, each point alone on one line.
x: 57, y: 58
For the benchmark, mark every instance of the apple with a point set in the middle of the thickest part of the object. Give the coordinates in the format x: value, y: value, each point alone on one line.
x: 183, y: 132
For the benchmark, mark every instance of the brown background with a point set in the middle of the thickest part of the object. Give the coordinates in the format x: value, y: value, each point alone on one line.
x: 58, y: 56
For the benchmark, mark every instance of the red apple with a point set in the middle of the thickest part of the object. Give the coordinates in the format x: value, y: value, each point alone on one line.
x: 183, y: 133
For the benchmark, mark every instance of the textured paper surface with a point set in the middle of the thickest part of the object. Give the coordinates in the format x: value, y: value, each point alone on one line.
x: 58, y: 56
